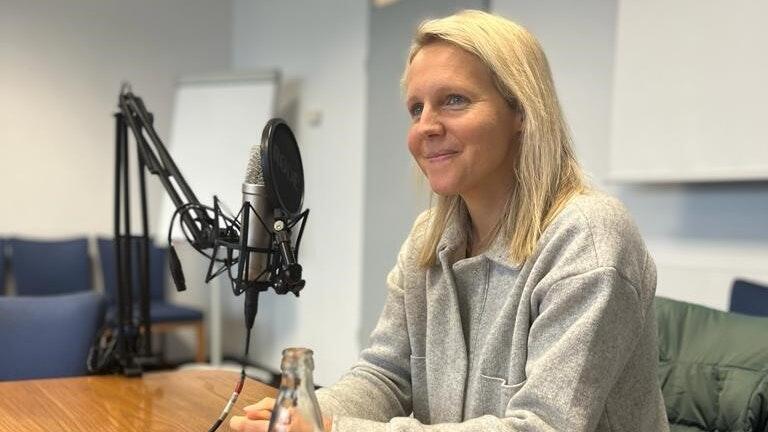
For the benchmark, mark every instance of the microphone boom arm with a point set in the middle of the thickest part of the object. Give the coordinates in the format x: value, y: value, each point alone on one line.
x: 160, y: 163
x: 200, y: 224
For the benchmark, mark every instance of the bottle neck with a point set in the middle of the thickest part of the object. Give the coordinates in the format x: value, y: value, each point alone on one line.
x: 297, y: 367
x: 295, y: 378
x: 296, y: 400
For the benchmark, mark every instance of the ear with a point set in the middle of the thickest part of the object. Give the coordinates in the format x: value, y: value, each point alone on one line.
x: 518, y: 122
x: 520, y: 116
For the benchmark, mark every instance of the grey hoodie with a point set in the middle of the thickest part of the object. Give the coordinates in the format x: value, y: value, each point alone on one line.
x: 565, y: 342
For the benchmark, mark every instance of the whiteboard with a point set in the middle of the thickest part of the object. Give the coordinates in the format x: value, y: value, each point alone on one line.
x: 690, y: 91
x: 215, y: 122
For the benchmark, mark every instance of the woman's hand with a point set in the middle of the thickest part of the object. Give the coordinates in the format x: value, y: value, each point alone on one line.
x: 256, y: 419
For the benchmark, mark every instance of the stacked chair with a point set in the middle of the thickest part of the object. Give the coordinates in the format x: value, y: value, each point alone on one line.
x: 51, y: 267
x: 48, y: 336
x: 749, y: 298
x: 164, y: 316
x: 48, y: 326
x: 50, y: 321
x: 2, y: 266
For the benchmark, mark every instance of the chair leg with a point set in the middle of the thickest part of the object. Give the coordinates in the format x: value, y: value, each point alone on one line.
x: 200, y: 356
x: 162, y: 328
x: 163, y: 345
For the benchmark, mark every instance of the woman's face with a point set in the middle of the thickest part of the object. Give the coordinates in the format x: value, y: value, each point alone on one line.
x: 463, y: 134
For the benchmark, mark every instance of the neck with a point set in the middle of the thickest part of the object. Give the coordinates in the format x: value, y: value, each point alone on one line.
x: 485, y: 213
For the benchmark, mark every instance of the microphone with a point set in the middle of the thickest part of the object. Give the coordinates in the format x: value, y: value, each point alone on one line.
x: 260, y: 218
x: 284, y: 178
x: 273, y: 193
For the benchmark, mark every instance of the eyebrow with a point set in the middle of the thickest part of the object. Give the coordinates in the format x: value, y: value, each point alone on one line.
x: 442, y: 89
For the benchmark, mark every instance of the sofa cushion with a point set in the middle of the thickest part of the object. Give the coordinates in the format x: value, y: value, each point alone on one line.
x: 713, y: 367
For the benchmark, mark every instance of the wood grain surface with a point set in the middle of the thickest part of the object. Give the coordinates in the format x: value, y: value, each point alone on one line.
x: 189, y: 400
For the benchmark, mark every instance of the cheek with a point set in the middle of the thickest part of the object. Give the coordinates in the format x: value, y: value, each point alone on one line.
x: 499, y: 137
x: 414, y: 149
x: 413, y: 143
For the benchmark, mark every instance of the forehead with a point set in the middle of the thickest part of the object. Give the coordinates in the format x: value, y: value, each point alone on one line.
x: 443, y: 63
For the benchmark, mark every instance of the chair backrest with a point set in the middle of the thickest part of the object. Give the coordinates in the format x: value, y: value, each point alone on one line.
x: 48, y: 336
x: 50, y: 267
x: 158, y: 269
x: 713, y: 368
x: 2, y: 266
x: 749, y: 298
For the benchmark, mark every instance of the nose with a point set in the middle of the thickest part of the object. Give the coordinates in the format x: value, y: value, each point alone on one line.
x: 429, y: 123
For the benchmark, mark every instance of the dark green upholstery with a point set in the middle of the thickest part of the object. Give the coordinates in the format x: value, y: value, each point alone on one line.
x: 713, y: 368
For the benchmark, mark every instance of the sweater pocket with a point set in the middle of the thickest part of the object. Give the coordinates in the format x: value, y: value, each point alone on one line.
x: 419, y: 389
x: 496, y: 394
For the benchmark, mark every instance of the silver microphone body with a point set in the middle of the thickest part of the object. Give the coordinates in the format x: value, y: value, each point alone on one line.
x: 258, y: 234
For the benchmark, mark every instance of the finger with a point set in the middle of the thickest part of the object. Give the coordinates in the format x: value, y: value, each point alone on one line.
x: 236, y: 423
x: 261, y: 410
x: 242, y: 424
x: 257, y: 414
x: 299, y: 424
x: 265, y: 404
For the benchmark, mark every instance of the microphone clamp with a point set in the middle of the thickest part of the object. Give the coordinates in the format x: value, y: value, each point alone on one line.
x: 231, y: 254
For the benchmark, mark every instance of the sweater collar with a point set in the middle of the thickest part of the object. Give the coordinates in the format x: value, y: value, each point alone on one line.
x: 452, y: 246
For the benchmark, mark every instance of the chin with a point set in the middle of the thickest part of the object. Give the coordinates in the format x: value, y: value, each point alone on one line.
x: 443, y: 189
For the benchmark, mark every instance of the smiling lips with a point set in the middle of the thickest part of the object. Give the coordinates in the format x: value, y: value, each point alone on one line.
x: 441, y: 155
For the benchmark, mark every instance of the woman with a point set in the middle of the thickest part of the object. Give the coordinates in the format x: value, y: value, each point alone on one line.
x: 523, y: 301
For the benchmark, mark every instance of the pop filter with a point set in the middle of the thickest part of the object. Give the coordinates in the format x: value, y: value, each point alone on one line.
x: 282, y: 167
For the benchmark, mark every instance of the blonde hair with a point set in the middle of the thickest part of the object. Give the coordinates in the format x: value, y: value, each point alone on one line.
x: 547, y: 173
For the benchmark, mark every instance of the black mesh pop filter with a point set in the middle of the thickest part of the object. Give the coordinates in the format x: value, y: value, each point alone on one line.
x: 282, y: 168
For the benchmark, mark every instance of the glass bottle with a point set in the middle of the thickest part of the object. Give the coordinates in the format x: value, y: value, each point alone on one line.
x: 296, y: 407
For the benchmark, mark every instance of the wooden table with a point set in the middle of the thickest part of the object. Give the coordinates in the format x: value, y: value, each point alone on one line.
x: 189, y: 400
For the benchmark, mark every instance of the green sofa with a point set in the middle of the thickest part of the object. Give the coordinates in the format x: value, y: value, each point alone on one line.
x: 713, y: 368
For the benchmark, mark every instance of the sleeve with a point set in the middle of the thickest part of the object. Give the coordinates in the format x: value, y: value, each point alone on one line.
x: 585, y: 330
x: 587, y: 327
x: 378, y: 387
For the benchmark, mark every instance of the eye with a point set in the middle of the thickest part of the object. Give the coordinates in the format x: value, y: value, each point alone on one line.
x: 456, y: 100
x: 415, y: 110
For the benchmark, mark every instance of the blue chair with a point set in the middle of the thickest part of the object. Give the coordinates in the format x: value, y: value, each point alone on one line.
x: 48, y: 336
x: 2, y: 267
x: 50, y: 267
x: 749, y: 298
x: 164, y: 316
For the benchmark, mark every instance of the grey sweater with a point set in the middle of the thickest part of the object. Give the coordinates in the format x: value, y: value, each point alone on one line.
x: 565, y: 342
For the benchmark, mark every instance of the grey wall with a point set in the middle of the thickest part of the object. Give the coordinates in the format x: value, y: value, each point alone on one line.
x: 578, y: 39
x: 394, y: 194
x: 723, y: 212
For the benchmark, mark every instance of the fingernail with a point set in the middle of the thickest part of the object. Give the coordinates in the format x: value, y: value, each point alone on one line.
x: 236, y: 421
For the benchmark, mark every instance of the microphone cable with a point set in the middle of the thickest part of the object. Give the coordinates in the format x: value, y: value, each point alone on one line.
x: 178, y: 277
x: 238, y: 387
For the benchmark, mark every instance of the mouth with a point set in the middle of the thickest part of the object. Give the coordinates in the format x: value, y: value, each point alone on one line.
x: 441, y: 155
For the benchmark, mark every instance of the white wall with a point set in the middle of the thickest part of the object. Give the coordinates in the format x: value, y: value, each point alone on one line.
x: 713, y: 222
x: 698, y: 133
x: 61, y: 65
x: 322, y: 47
